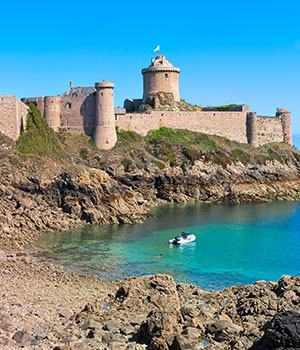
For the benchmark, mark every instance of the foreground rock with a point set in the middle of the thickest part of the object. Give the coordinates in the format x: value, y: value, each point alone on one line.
x: 44, y: 307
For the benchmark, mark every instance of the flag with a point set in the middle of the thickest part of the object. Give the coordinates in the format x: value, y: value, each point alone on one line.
x: 156, y: 48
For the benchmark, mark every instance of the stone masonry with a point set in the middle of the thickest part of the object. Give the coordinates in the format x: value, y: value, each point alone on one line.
x: 90, y: 110
x: 12, y: 116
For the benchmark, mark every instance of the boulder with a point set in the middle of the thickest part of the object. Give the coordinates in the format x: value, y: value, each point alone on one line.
x: 283, y: 332
x: 91, y: 324
x: 189, y: 310
x: 159, y: 330
x: 223, y: 331
x: 144, y: 294
x: 22, y: 337
x: 192, y: 332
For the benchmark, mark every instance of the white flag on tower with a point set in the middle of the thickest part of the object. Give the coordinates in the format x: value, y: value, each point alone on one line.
x: 156, y: 48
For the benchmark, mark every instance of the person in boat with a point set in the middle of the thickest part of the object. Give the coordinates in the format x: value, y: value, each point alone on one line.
x: 184, y: 234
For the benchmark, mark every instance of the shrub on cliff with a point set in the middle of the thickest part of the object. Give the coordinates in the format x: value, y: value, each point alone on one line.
x: 39, y: 139
x: 129, y: 135
x: 241, y: 155
x: 191, y: 154
x: 127, y: 164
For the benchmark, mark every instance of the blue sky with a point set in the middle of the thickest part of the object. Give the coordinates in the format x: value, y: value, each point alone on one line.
x: 228, y: 51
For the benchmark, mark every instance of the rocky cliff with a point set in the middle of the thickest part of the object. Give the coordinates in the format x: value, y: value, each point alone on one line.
x: 54, y: 181
x: 57, y: 181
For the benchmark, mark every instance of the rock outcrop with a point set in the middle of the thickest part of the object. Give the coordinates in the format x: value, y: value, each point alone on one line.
x: 59, y: 199
x: 44, y: 307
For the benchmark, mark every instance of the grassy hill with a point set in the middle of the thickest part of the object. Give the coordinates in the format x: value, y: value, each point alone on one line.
x: 159, y: 149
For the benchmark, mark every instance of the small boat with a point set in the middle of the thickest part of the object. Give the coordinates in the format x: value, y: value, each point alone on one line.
x: 182, y: 240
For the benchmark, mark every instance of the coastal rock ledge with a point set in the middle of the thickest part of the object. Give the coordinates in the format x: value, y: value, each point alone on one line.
x: 57, y: 199
x: 45, y: 307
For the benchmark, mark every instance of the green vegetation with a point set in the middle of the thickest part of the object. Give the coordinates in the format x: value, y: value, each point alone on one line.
x: 14, y: 161
x: 297, y: 156
x: 128, y: 164
x: 222, y: 158
x: 191, y: 154
x: 165, y: 150
x: 171, y: 158
x: 149, y: 150
x: 128, y: 136
x: 207, y: 143
x: 163, y: 147
x: 172, y: 137
x: 92, y: 142
x: 160, y: 165
x: 241, y: 155
x: 83, y: 153
x: 225, y: 108
x: 39, y: 139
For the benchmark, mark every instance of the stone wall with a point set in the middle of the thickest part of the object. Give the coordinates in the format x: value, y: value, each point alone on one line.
x: 37, y: 101
x: 12, y: 116
x: 269, y: 129
x: 78, y: 114
x: 227, y: 124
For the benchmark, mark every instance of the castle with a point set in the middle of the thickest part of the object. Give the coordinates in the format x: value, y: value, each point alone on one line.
x: 90, y: 110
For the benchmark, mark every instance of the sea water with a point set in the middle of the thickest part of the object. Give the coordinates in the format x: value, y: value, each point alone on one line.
x: 235, y: 245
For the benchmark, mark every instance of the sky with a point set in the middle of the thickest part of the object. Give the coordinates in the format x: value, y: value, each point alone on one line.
x: 228, y: 51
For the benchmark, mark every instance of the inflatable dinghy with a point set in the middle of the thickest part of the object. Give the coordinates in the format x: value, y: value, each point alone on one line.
x: 182, y: 240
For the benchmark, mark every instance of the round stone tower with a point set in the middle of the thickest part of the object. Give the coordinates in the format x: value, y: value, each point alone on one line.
x: 285, y: 116
x: 161, y: 76
x: 252, y: 135
x: 52, y: 111
x: 105, y: 135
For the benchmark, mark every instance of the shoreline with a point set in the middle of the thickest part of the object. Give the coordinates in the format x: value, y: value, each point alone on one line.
x: 45, y: 307
x: 50, y: 307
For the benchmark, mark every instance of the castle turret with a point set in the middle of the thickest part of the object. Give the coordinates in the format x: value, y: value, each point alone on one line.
x: 252, y: 135
x: 105, y: 135
x: 285, y: 116
x: 52, y: 111
x: 161, y: 76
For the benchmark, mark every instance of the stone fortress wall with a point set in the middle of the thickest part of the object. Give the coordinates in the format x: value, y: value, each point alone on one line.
x: 228, y: 124
x: 269, y: 129
x: 90, y: 110
x: 232, y: 125
x: 12, y: 116
x: 73, y: 112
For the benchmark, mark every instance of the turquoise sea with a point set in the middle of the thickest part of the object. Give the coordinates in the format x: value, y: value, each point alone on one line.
x: 236, y: 244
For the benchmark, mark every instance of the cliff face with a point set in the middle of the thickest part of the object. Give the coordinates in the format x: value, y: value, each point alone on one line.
x: 58, y: 199
x: 57, y: 181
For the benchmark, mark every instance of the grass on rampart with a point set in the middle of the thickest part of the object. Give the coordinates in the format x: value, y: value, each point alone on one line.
x: 173, y: 137
x: 127, y: 136
x: 160, y: 148
x: 39, y: 139
x: 221, y: 108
